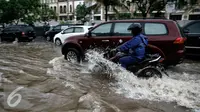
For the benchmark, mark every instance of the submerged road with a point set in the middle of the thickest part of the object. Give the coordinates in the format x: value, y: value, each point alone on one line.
x: 36, y: 78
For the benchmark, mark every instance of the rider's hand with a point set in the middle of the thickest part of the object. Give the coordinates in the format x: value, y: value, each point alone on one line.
x: 115, y: 50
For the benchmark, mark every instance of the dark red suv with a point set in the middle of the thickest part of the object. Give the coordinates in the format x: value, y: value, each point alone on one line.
x: 165, y: 34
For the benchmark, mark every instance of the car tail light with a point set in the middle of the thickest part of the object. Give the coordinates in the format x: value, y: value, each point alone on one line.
x: 179, y: 40
x: 23, y: 33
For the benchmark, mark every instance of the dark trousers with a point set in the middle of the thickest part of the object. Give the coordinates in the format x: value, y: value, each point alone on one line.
x: 127, y: 60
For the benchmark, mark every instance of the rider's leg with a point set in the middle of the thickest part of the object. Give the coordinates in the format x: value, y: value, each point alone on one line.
x: 127, y: 60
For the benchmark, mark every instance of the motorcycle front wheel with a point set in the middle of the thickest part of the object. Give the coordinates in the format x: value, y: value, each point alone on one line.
x: 149, y: 72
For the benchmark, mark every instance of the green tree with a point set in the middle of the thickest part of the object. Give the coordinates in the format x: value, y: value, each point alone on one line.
x: 107, y: 3
x: 81, y: 12
x: 46, y: 14
x: 187, y: 5
x: 124, y: 16
x: 8, y: 11
x: 146, y: 7
x: 27, y: 11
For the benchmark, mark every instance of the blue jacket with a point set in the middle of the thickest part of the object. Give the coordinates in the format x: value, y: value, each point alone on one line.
x: 135, y: 46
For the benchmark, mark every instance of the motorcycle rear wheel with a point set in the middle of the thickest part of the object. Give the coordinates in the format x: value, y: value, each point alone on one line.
x: 149, y: 72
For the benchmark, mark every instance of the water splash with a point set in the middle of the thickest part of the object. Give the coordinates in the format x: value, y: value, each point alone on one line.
x: 168, y: 89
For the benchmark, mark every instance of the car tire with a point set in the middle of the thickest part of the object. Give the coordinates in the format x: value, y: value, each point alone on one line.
x: 70, y: 52
x: 58, y: 42
x: 48, y: 38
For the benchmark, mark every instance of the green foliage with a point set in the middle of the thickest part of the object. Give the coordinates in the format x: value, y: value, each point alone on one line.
x: 106, y: 3
x: 7, y: 11
x: 153, y: 5
x: 62, y: 22
x: 124, y: 16
x: 181, y: 4
x: 81, y: 12
x: 46, y: 14
x: 27, y: 11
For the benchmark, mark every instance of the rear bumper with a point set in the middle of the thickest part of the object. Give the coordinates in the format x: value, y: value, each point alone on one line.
x: 180, y: 56
x: 176, y: 58
x: 27, y: 38
x: 193, y: 51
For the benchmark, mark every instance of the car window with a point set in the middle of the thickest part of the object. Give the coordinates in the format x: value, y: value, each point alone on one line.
x: 64, y: 27
x: 180, y: 30
x: 12, y: 28
x: 57, y: 28
x: 102, y: 30
x: 28, y: 28
x: 69, y: 30
x: 194, y: 28
x: 121, y: 29
x: 7, y: 29
x: 155, y: 29
x: 78, y: 30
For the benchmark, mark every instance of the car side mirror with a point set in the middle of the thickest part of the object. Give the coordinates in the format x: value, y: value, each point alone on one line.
x: 62, y: 32
x: 88, y: 34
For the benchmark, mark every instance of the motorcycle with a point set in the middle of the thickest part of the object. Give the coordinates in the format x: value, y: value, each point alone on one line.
x: 150, y: 66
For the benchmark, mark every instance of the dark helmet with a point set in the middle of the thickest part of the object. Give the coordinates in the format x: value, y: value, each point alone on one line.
x: 135, y: 28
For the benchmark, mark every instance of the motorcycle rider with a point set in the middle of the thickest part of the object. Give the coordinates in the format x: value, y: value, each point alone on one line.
x: 135, y: 47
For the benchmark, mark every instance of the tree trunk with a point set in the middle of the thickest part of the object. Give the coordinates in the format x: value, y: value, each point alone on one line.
x: 106, y: 10
x: 57, y: 10
x: 73, y: 8
x: 17, y: 22
x: 144, y: 15
x: 68, y: 10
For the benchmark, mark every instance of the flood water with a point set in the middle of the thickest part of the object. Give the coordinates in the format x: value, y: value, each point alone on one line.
x: 36, y: 78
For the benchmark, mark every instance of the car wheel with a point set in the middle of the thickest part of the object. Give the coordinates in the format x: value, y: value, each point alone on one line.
x: 58, y: 42
x: 149, y: 72
x: 73, y: 55
x: 48, y: 38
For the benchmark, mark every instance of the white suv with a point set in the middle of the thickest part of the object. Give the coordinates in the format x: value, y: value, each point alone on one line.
x: 71, y: 31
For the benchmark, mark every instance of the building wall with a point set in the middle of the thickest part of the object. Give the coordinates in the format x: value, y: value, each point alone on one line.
x: 61, y: 7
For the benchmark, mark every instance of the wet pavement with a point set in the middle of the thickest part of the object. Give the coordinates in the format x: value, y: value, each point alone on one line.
x: 36, y: 78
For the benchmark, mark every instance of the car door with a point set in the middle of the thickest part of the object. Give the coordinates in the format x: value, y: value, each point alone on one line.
x: 121, y: 34
x: 66, y: 33
x: 193, y: 36
x: 99, y: 37
x: 13, y: 33
x: 6, y: 34
x: 55, y: 30
x: 78, y: 31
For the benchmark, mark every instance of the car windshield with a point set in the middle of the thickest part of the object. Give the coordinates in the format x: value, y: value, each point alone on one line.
x: 27, y: 28
x: 180, y: 30
x: 51, y: 27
